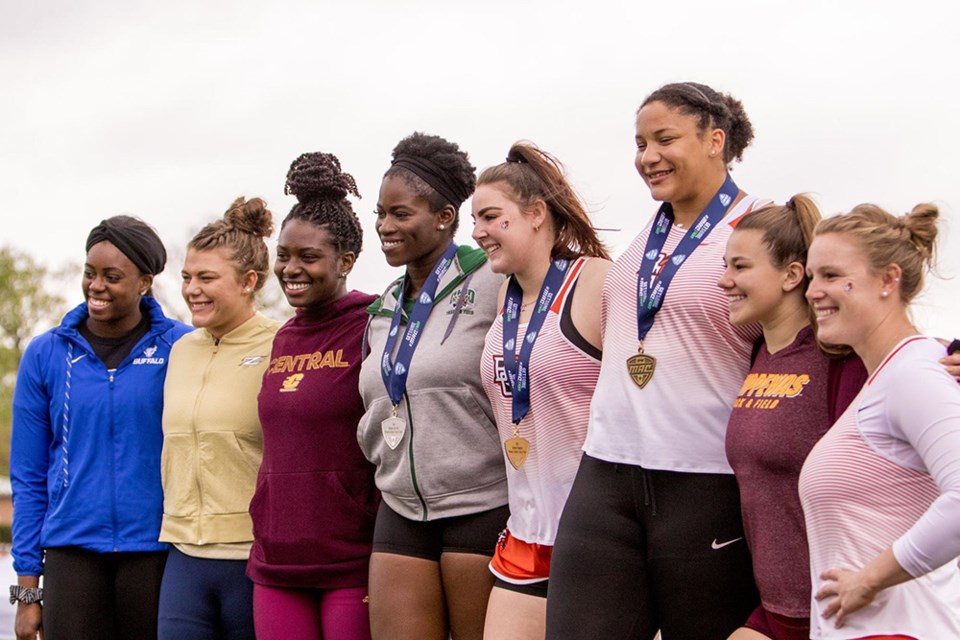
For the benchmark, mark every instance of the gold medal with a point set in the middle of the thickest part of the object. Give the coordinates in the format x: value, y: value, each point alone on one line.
x: 516, y: 448
x: 641, y: 367
x: 393, y: 429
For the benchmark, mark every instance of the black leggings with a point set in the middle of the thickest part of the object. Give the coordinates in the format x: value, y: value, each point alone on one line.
x: 100, y: 596
x: 641, y: 550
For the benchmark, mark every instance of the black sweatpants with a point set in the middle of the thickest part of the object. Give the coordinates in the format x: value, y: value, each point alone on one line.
x: 100, y: 596
x: 641, y: 550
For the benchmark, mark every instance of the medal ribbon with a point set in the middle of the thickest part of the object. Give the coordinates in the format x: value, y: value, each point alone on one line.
x: 517, y: 367
x: 395, y: 374
x: 650, y: 299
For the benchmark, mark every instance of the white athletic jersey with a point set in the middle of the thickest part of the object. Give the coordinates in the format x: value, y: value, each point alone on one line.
x: 888, y: 474
x: 678, y: 422
x: 562, y: 380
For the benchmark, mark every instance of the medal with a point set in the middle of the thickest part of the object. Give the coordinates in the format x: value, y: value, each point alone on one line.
x: 641, y: 367
x: 393, y: 429
x: 517, y: 357
x: 651, y: 288
x: 516, y: 449
x: 394, y: 373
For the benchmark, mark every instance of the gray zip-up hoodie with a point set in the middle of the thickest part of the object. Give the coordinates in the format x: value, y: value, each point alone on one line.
x: 448, y: 462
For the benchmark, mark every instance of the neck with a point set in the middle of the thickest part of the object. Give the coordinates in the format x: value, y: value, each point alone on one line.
x: 880, y: 342
x: 531, y: 279
x: 322, y: 307
x: 419, y: 270
x: 686, y: 211
x: 115, y: 329
x: 780, y: 332
x: 220, y: 332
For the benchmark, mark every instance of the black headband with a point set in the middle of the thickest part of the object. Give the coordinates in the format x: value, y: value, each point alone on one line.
x: 135, y: 239
x: 438, y: 179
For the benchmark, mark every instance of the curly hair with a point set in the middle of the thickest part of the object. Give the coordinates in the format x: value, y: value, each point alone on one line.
x: 531, y: 174
x: 242, y: 230
x: 447, y: 156
x: 713, y: 110
x: 321, y: 189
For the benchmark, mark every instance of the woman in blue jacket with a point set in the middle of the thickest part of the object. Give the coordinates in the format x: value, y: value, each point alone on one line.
x: 85, y: 457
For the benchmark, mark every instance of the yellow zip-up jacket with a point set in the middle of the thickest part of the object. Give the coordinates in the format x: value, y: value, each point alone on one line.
x: 212, y: 441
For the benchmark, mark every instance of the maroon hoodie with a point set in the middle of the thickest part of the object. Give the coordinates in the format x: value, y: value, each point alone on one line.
x: 315, y: 503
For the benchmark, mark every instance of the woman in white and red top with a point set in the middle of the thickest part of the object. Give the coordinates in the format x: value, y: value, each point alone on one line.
x: 881, y: 491
x: 540, y: 365
x: 651, y: 536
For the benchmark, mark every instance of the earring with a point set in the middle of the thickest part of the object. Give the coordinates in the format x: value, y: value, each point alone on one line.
x: 885, y: 294
x: 343, y: 274
x: 442, y: 227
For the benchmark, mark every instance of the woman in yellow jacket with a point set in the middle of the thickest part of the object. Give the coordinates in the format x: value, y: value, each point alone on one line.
x: 212, y: 441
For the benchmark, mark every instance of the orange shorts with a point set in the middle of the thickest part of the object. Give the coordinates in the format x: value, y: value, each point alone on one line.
x: 519, y: 562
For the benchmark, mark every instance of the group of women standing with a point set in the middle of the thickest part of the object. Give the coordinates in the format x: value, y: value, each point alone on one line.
x: 550, y: 444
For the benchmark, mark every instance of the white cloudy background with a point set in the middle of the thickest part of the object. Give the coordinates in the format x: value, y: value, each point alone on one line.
x: 170, y: 110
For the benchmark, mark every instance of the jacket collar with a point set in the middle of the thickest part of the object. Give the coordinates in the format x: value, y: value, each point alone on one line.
x: 467, y: 260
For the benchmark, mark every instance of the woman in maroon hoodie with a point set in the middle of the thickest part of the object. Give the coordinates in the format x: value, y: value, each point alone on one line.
x: 315, y: 502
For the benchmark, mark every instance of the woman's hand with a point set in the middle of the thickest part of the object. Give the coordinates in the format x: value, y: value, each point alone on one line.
x: 849, y: 590
x: 854, y: 590
x: 28, y: 624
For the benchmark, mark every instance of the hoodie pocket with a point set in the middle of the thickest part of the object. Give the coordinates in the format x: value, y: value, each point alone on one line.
x: 178, y: 466
x: 456, y: 446
x: 228, y: 471
x: 311, y: 518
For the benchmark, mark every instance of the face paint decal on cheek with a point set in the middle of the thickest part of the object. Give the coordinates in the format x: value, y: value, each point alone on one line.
x: 505, y: 225
x: 848, y: 287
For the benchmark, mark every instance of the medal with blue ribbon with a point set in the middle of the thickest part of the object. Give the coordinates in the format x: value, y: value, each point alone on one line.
x: 516, y: 360
x: 394, y: 374
x: 652, y: 290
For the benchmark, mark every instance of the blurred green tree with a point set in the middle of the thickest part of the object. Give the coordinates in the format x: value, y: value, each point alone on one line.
x: 26, y: 306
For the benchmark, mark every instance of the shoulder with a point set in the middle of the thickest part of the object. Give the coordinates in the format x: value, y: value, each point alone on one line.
x: 593, y: 274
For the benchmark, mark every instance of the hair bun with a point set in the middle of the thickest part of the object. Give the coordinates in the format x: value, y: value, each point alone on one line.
x: 250, y: 216
x: 318, y: 175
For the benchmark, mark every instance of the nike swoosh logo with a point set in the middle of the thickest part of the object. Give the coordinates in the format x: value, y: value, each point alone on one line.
x: 721, y: 545
x: 78, y: 358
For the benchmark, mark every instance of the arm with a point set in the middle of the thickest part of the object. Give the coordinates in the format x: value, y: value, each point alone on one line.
x: 588, y: 299
x: 30, y: 460
x: 29, y: 619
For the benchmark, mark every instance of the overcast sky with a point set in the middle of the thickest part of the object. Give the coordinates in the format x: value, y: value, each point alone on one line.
x: 170, y: 110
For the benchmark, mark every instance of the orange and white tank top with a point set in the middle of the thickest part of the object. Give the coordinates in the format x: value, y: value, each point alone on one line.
x: 563, y: 374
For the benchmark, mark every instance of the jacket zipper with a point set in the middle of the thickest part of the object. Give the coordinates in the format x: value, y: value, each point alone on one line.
x: 196, y: 440
x: 413, y: 467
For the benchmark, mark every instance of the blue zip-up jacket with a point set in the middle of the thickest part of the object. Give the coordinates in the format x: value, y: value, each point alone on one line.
x: 85, y: 454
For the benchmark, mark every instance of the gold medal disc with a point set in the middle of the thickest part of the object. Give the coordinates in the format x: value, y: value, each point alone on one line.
x: 641, y: 367
x: 516, y: 449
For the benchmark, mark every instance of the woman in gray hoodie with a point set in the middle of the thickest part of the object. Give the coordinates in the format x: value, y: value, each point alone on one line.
x: 428, y: 426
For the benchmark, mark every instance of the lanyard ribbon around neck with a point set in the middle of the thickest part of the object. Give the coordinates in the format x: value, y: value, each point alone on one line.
x: 516, y: 362
x: 650, y: 293
x: 394, y: 374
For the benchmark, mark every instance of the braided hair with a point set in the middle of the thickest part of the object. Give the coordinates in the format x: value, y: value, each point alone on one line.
x: 321, y: 189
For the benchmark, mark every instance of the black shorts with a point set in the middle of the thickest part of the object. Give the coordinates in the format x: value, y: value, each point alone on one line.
x: 639, y: 550
x: 475, y: 533
x: 538, y: 589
